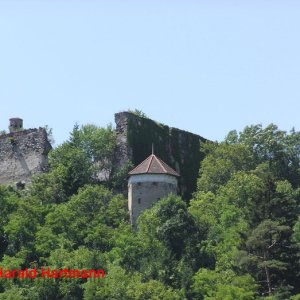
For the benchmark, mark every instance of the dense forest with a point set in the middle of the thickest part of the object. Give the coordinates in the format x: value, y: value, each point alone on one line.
x: 237, y: 238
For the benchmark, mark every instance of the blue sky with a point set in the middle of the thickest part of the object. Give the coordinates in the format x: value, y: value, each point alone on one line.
x: 203, y: 66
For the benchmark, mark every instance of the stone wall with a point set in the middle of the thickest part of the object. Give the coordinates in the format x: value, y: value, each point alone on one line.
x: 23, y: 154
x: 178, y: 148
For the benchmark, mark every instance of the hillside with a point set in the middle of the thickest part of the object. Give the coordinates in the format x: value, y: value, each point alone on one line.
x: 236, y: 237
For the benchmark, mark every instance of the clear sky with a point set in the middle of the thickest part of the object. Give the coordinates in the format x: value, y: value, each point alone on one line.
x: 204, y: 66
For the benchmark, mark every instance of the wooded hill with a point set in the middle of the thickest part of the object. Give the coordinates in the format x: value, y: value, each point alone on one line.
x: 237, y: 238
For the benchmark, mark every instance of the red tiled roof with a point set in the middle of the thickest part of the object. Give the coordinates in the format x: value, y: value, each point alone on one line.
x: 153, y: 165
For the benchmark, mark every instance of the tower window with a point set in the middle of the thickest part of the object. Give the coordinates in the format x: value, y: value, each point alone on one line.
x: 139, y: 200
x: 139, y: 183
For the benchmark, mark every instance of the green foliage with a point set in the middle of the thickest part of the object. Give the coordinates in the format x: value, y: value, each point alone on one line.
x: 222, y: 224
x: 98, y: 143
x: 170, y: 238
x: 173, y: 223
x: 89, y: 218
x: 278, y: 148
x: 247, y: 204
x: 238, y: 238
x: 13, y: 294
x: 262, y: 252
x: 120, y: 285
x: 8, y: 202
x: 153, y: 290
x: 78, y: 168
x: 85, y: 159
x: 51, y: 187
x: 221, y: 162
x: 296, y: 235
x: 21, y: 227
x: 49, y: 132
x: 118, y: 180
x: 138, y: 113
x: 208, y: 285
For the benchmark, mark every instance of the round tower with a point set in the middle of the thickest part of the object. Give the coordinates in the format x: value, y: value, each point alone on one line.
x: 15, y: 124
x: 150, y: 181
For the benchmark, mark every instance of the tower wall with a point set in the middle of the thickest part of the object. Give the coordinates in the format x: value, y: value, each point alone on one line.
x: 146, y: 189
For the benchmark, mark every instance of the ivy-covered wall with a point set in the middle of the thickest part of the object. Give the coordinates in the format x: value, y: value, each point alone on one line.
x: 178, y: 148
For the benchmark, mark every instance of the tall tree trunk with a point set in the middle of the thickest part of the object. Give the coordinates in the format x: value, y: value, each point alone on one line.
x: 267, y: 275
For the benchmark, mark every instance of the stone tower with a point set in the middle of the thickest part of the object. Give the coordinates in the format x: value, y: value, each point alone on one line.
x: 150, y: 181
x: 15, y: 124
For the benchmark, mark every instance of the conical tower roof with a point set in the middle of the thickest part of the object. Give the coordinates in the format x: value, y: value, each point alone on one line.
x: 153, y: 165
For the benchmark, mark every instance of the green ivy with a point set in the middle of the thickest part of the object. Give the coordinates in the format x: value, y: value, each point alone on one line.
x: 184, y: 154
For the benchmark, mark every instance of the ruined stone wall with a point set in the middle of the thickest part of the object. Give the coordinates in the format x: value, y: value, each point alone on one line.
x: 178, y: 148
x: 123, y: 151
x: 23, y: 154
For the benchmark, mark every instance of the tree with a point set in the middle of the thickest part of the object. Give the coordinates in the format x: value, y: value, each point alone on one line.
x: 84, y: 159
x: 280, y: 149
x: 98, y: 143
x: 221, y: 161
x: 77, y: 167
x: 171, y: 241
x: 245, y: 182
x: 209, y: 284
x: 88, y: 218
x: 262, y: 245
x: 21, y: 228
x: 8, y: 202
x: 296, y: 235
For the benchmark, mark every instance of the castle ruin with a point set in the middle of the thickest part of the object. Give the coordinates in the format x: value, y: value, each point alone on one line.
x: 23, y: 153
x: 179, y: 149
